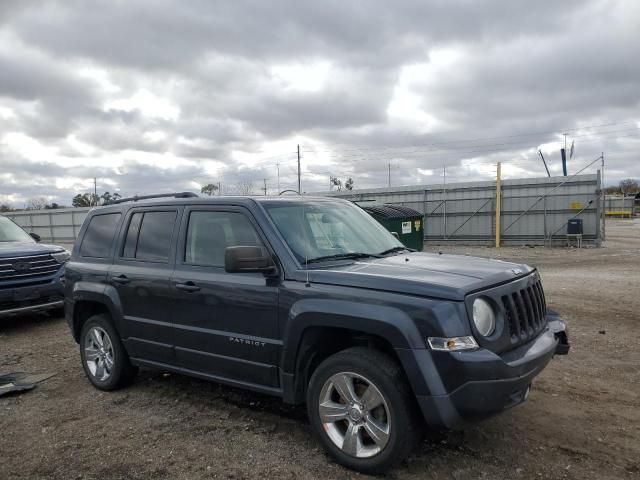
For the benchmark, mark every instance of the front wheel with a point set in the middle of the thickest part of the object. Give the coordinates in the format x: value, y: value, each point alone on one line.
x: 361, y: 407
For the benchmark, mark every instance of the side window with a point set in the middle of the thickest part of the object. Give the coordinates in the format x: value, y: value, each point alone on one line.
x: 98, y: 238
x: 149, y: 236
x: 209, y: 233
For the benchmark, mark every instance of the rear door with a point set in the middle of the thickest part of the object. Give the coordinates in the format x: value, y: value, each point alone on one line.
x: 141, y: 273
x: 225, y: 323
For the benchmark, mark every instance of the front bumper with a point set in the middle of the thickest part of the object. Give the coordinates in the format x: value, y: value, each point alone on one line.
x: 18, y: 299
x: 471, y: 385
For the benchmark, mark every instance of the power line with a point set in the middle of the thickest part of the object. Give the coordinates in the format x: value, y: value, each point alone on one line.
x: 370, y: 147
x: 336, y: 154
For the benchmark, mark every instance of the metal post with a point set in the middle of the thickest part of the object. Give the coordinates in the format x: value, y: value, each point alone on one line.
x: 599, y: 210
x: 604, y: 202
x: 544, y: 162
x: 299, y: 185
x: 53, y: 237
x: 498, y: 203
x: 424, y: 215
x: 444, y: 200
x: 73, y: 225
x: 544, y: 204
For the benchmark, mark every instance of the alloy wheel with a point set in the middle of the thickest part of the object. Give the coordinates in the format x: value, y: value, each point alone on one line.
x: 354, y: 414
x: 98, y: 354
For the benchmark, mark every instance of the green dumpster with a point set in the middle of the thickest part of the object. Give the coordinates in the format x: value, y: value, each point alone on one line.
x: 405, y: 221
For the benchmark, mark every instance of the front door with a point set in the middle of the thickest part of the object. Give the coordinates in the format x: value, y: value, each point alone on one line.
x: 225, y: 324
x: 141, y: 274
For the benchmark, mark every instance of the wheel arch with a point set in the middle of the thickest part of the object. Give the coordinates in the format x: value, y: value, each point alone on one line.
x: 91, y: 299
x: 320, y: 328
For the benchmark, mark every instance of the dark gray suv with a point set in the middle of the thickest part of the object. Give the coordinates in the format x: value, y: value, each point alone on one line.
x: 31, y: 274
x: 311, y: 300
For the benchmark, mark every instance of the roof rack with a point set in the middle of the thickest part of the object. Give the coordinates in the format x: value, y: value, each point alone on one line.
x: 147, y: 197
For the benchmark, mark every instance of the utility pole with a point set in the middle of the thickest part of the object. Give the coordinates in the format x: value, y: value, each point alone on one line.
x: 498, y: 203
x: 299, y: 185
x: 389, y: 174
x: 219, y: 190
x: 265, y: 186
x: 95, y: 191
x: 278, y: 168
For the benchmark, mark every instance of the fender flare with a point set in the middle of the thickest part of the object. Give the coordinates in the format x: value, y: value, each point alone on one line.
x: 383, y: 321
x: 99, y: 293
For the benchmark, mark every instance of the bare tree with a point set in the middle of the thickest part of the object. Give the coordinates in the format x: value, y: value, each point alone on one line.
x: 37, y: 203
x: 336, y: 182
x: 629, y: 186
x: 245, y: 187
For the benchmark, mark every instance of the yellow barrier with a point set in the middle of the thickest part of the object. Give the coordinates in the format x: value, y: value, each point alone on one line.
x: 618, y: 213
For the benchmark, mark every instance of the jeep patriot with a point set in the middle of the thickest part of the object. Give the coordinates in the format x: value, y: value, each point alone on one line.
x: 311, y: 300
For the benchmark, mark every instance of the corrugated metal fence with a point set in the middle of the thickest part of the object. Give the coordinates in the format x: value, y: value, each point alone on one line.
x: 60, y: 226
x: 534, y: 210
x: 619, y: 206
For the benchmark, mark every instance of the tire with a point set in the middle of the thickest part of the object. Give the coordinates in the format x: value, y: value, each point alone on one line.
x: 104, y: 359
x: 369, y: 440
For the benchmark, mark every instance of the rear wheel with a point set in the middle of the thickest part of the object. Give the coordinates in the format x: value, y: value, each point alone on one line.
x: 104, y: 359
x: 361, y: 407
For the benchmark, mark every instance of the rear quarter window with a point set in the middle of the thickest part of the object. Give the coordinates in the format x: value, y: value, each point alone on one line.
x: 99, y: 235
x: 149, y: 234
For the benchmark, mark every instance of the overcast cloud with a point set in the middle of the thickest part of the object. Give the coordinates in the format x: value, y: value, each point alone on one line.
x: 152, y: 96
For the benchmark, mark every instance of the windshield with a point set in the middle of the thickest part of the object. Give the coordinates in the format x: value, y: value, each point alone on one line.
x: 10, y: 232
x: 317, y: 229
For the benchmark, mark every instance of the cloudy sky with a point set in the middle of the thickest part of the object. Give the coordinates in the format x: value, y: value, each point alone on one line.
x: 163, y: 95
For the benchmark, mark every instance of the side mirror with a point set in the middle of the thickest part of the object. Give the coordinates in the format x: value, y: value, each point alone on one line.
x: 35, y: 236
x: 243, y: 259
x: 395, y: 234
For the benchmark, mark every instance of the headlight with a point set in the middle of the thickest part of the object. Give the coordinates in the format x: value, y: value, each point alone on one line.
x: 484, y: 317
x: 61, y: 257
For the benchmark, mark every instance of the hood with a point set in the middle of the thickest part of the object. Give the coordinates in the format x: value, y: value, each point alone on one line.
x: 425, y: 274
x: 21, y: 249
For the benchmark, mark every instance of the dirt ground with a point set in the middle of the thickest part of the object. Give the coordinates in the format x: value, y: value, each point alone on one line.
x: 582, y: 419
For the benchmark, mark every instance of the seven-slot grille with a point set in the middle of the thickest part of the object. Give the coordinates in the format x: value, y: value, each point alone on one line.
x: 525, y: 312
x: 30, y: 267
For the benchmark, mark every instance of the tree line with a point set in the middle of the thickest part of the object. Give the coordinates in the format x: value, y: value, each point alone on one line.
x: 628, y: 186
x: 80, y: 200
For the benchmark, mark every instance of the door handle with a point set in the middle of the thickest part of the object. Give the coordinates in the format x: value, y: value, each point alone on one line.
x: 121, y: 279
x: 187, y: 287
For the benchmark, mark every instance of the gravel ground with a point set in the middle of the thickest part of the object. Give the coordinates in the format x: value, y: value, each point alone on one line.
x: 582, y: 419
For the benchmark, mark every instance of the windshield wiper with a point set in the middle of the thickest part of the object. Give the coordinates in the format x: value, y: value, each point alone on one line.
x: 396, y: 249
x: 341, y: 256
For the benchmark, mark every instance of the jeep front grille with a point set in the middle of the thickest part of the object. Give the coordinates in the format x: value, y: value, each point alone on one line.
x: 32, y: 267
x: 525, y: 312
